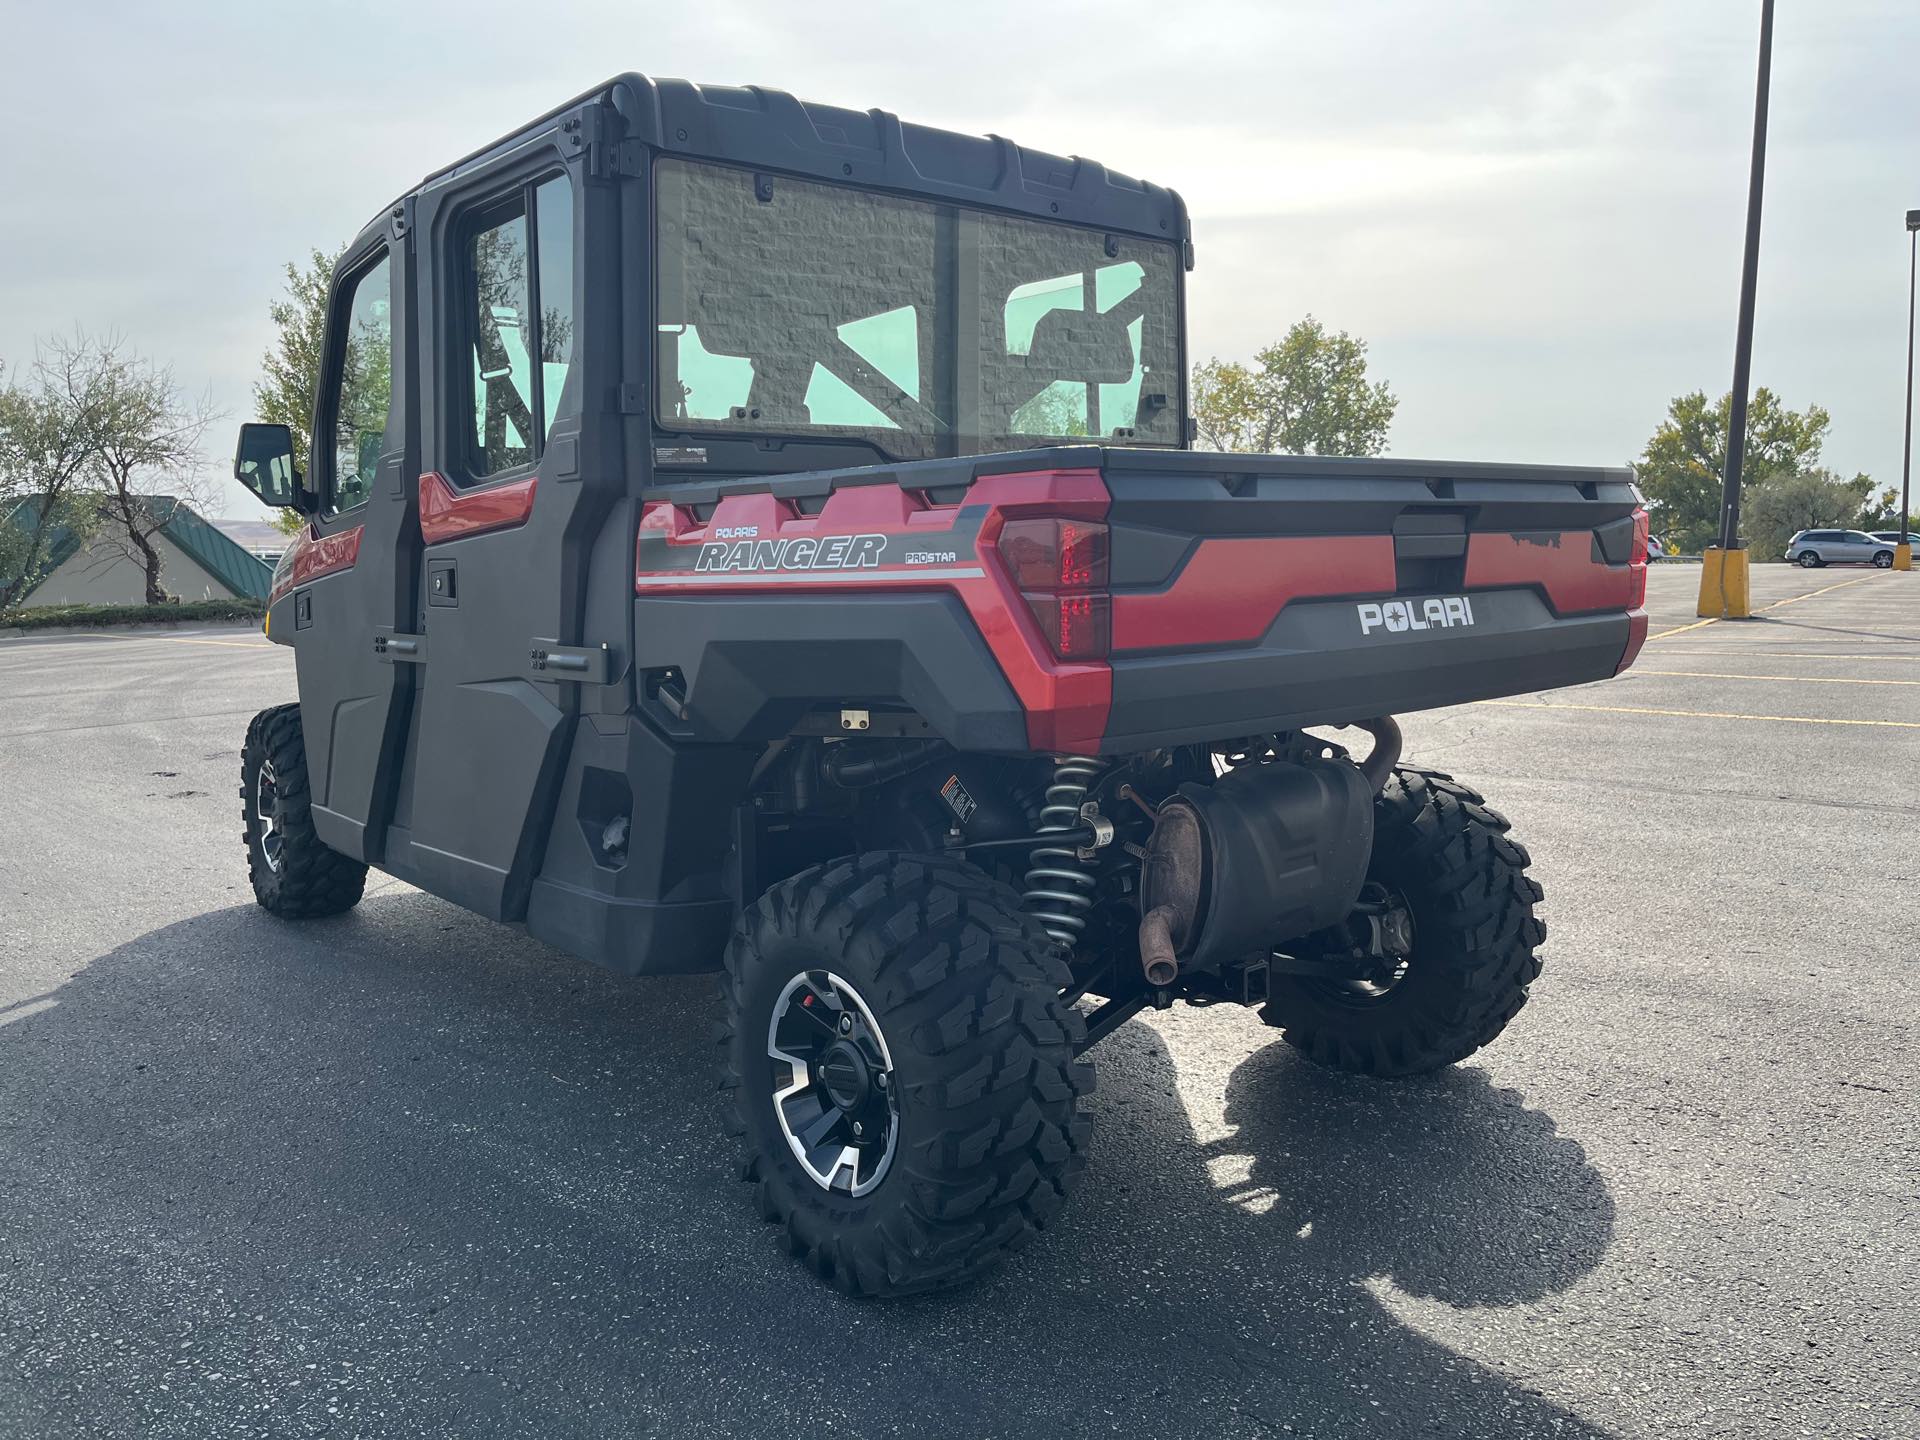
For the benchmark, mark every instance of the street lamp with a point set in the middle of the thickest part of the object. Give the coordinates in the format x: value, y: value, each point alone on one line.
x: 1724, y: 592
x: 1903, y: 549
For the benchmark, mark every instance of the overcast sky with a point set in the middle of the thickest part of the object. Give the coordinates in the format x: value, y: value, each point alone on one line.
x: 1531, y: 210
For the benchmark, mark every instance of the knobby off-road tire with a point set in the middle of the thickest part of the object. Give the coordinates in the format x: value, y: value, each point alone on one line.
x: 965, y: 989
x: 1475, y: 940
x: 293, y: 872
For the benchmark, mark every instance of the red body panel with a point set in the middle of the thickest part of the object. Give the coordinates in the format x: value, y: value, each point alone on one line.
x: 449, y: 514
x: 1066, y: 702
x: 313, y: 555
x: 1232, y: 588
x: 1560, y: 563
x: 1636, y: 637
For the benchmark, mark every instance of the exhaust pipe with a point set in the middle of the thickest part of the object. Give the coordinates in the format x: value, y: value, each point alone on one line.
x: 1386, y: 750
x: 1157, y: 957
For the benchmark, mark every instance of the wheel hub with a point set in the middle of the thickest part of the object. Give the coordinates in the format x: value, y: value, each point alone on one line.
x: 845, y: 1076
x: 835, y: 1102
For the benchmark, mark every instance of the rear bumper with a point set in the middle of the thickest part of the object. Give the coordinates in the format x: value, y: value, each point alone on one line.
x: 1316, y: 665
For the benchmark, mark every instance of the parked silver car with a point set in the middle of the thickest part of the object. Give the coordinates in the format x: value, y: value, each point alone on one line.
x: 1814, y: 548
x: 1892, y: 537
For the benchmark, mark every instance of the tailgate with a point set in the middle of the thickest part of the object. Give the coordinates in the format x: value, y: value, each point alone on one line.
x: 1255, y: 593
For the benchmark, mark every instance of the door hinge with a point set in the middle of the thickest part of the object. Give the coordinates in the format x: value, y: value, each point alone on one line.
x: 391, y: 646
x: 579, y: 664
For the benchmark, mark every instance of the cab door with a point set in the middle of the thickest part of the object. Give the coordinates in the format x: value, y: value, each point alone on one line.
x: 363, y: 468
x: 521, y: 464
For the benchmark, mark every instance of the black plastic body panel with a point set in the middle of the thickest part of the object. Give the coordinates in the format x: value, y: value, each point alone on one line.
x: 1315, y: 668
x: 664, y: 902
x: 754, y: 664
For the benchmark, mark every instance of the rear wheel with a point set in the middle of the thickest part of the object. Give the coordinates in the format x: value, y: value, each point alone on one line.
x: 1809, y: 560
x: 900, y: 1068
x: 293, y: 872
x: 1449, y: 889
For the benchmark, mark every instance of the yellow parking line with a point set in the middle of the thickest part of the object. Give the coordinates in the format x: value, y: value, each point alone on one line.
x: 176, y: 640
x: 1682, y: 629
x: 1794, y: 679
x: 1702, y: 714
x: 1750, y: 652
x: 1796, y: 599
x: 1790, y: 600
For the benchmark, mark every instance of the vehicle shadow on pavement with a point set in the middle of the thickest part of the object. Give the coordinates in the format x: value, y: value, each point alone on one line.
x: 407, y: 1173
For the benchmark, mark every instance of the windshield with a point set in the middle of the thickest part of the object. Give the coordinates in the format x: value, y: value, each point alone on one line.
x: 791, y: 307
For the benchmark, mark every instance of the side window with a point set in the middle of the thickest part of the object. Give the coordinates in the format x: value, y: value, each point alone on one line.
x: 520, y: 322
x: 362, y: 390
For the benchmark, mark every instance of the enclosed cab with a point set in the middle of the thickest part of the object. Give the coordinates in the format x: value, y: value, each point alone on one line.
x: 736, y: 525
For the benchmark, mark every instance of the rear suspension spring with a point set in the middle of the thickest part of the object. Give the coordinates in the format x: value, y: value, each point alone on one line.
x: 1060, y: 884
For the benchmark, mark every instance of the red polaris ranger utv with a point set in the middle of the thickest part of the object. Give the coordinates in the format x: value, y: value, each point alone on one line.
x: 754, y: 535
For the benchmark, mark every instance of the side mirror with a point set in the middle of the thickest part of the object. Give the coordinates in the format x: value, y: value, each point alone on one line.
x: 263, y: 462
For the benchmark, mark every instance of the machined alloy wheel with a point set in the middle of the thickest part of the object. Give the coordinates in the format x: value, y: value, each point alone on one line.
x: 1883, y: 560
x: 837, y: 1105
x: 294, y: 874
x: 901, y: 1071
x: 266, y: 813
x: 1809, y: 560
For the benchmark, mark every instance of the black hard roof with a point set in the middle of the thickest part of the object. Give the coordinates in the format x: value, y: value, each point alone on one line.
x: 750, y: 125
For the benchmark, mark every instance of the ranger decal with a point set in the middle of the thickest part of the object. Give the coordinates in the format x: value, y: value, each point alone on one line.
x: 802, y: 552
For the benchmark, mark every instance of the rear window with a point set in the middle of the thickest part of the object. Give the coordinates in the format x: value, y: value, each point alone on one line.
x: 786, y: 306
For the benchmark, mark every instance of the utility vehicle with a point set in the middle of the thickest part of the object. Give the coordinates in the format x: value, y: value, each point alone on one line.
x: 763, y: 537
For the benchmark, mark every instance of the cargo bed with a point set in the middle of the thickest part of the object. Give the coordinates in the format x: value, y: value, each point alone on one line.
x: 1241, y: 593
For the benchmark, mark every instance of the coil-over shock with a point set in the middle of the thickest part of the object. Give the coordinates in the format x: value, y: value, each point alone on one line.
x: 1060, y: 884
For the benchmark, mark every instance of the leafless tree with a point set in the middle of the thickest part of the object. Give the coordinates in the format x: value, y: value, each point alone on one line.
x: 144, y: 459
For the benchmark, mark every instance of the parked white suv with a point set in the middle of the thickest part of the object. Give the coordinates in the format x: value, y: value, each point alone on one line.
x: 1814, y: 548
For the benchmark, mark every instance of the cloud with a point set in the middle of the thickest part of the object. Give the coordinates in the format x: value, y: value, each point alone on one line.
x: 1532, y: 212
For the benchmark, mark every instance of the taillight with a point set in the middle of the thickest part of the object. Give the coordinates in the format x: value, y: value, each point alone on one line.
x: 1637, y: 562
x: 1060, y: 568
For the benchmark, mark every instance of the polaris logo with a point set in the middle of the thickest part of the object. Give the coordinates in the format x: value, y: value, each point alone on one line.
x: 803, y: 552
x: 1439, y: 613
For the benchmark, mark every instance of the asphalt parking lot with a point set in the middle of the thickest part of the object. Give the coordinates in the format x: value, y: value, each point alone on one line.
x: 406, y: 1173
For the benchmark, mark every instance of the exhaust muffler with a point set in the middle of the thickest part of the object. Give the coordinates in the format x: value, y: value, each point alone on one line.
x: 1265, y: 854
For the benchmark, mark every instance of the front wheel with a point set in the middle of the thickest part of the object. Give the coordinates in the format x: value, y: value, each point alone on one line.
x: 1452, y: 888
x: 1809, y: 560
x: 1883, y: 560
x: 900, y: 1068
x: 294, y: 874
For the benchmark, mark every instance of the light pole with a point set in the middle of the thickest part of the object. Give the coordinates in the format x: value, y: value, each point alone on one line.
x: 1903, y: 550
x: 1723, y: 576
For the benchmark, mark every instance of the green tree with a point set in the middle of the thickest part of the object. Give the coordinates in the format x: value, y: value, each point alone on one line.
x: 1682, y: 470
x: 47, y: 440
x: 1882, y: 512
x: 290, y: 370
x: 1801, y: 500
x: 1305, y: 394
